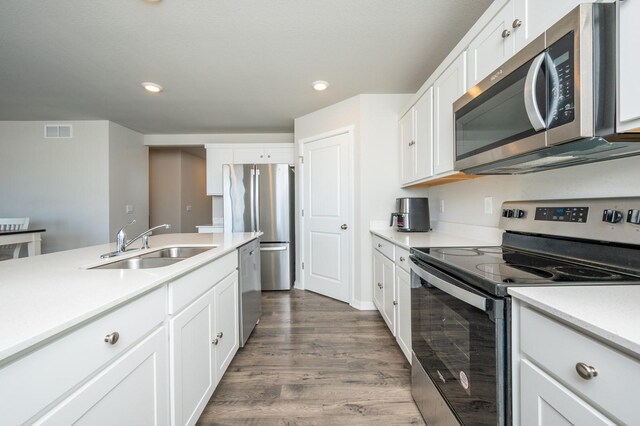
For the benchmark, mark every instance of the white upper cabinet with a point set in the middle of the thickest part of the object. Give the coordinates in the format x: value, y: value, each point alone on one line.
x: 408, y: 167
x: 628, y: 64
x: 216, y: 158
x: 492, y: 46
x: 448, y: 87
x: 423, y: 118
x: 263, y: 155
x: 533, y: 17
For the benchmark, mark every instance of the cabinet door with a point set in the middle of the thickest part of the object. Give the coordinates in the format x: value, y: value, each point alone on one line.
x: 407, y: 144
x: 533, y: 17
x: 447, y: 88
x: 388, y: 294
x: 546, y: 402
x: 423, y: 127
x: 628, y: 64
x: 279, y: 156
x: 248, y: 155
x: 377, y: 280
x: 216, y: 157
x: 192, y: 360
x: 226, y: 323
x: 130, y: 391
x: 403, y: 310
x: 492, y: 46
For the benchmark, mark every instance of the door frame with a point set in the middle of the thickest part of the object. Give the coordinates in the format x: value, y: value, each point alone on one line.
x: 350, y: 132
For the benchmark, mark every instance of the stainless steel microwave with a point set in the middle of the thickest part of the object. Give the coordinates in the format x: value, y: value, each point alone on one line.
x: 553, y: 104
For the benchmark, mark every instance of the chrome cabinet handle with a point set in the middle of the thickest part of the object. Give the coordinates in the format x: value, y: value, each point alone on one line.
x: 214, y: 342
x: 402, y: 259
x: 586, y: 371
x: 517, y: 23
x: 379, y: 285
x: 220, y: 334
x: 344, y: 226
x: 112, y: 338
x: 506, y: 33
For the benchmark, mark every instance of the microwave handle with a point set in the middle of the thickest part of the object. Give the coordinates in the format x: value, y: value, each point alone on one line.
x: 469, y: 298
x: 530, y: 102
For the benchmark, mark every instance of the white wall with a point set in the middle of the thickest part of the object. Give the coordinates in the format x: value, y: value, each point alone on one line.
x: 128, y: 180
x: 376, y: 181
x: 464, y: 201
x: 61, y: 184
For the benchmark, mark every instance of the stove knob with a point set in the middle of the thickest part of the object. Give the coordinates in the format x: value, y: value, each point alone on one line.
x: 519, y: 214
x: 611, y: 216
x: 633, y: 216
x: 507, y: 212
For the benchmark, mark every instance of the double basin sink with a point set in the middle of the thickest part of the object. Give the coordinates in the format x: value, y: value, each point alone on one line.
x: 156, y: 259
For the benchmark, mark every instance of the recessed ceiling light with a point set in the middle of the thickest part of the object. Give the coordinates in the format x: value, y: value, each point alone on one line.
x: 320, y: 85
x: 152, y: 87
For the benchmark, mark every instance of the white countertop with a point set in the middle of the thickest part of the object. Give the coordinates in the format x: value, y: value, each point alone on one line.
x: 407, y: 240
x: 42, y: 296
x: 611, y: 313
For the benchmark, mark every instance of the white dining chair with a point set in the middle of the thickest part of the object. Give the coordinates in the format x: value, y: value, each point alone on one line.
x: 12, y: 224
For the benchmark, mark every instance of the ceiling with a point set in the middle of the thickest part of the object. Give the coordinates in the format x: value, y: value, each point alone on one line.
x: 227, y: 66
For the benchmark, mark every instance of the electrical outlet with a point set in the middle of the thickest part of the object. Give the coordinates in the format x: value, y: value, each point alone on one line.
x: 488, y: 205
x: 441, y: 206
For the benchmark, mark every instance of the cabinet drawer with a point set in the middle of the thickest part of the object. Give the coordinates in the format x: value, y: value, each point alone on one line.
x: 402, y: 259
x: 187, y: 288
x: 38, y: 379
x: 384, y: 247
x: 557, y: 349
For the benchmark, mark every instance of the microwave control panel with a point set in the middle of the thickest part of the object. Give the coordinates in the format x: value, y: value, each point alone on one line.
x: 561, y: 82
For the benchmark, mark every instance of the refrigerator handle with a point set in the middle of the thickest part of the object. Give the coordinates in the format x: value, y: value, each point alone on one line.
x: 256, y: 200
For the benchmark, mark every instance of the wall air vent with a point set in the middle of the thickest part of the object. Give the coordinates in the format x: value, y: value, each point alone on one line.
x: 58, y: 131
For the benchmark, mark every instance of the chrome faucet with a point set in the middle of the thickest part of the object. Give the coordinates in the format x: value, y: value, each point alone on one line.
x: 122, y: 243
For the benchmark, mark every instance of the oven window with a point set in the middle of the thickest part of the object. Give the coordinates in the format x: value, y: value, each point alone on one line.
x: 459, y: 347
x: 497, y: 116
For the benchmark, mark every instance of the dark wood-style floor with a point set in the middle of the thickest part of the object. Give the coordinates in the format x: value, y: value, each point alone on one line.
x: 315, y: 361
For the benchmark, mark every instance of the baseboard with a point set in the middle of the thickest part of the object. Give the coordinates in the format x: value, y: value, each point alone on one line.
x: 363, y: 306
x: 298, y: 285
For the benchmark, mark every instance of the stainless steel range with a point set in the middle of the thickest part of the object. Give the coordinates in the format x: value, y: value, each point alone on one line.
x: 461, y: 309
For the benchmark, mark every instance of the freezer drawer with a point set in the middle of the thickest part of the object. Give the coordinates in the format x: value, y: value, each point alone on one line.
x: 276, y: 266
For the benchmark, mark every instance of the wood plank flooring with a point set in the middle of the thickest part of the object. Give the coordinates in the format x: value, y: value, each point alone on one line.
x: 315, y: 361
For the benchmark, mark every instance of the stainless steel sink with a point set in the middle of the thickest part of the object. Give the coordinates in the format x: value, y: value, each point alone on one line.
x: 156, y: 259
x: 175, y: 252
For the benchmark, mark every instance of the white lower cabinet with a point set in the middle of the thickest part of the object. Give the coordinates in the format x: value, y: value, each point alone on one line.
x: 564, y: 376
x: 132, y: 390
x: 392, y: 290
x: 204, y: 338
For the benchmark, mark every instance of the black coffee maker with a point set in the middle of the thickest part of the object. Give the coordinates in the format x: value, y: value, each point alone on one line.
x: 412, y: 214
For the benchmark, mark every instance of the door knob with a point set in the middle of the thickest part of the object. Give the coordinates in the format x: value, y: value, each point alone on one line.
x: 344, y: 226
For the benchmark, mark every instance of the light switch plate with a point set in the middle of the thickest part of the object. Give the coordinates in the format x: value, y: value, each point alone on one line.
x: 129, y: 208
x: 488, y: 205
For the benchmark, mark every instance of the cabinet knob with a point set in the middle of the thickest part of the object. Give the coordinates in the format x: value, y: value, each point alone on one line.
x: 586, y: 371
x: 268, y: 156
x: 219, y: 335
x: 214, y: 342
x: 506, y: 33
x: 402, y: 259
x: 379, y: 285
x: 412, y: 143
x: 517, y: 23
x: 112, y: 338
x: 379, y: 245
x: 262, y: 156
x: 343, y: 226
x: 395, y: 303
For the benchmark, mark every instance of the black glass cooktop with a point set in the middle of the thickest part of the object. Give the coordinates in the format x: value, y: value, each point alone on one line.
x: 495, y: 268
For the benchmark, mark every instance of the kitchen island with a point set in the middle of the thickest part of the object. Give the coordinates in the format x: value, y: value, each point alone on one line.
x: 76, y: 342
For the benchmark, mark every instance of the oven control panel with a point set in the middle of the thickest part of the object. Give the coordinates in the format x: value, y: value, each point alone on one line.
x: 562, y: 214
x: 602, y: 219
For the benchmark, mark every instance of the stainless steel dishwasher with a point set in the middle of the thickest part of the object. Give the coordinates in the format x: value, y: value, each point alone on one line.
x: 250, y: 288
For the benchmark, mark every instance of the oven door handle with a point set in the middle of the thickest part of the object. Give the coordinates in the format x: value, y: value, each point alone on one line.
x: 468, y: 297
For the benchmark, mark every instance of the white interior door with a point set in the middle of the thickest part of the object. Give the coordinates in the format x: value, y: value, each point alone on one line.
x: 327, y: 231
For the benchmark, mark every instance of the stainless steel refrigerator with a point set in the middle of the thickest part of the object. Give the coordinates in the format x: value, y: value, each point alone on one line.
x: 260, y: 197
